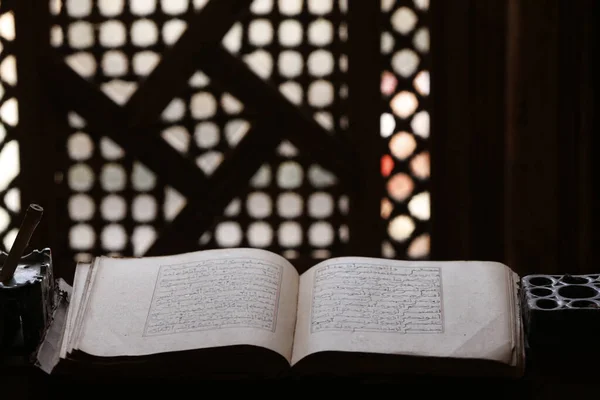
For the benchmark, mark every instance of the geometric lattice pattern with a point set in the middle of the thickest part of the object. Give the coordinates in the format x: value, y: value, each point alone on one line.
x: 9, y: 147
x: 114, y: 204
x: 298, y: 47
x: 204, y: 123
x: 116, y: 43
x: 292, y: 206
x: 405, y: 128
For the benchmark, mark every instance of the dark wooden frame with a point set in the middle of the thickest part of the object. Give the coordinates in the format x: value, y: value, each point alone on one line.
x: 467, y: 155
x: 550, y: 127
x: 512, y: 136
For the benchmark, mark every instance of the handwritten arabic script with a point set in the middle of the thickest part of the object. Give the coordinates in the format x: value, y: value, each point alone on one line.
x: 370, y: 297
x: 215, y: 294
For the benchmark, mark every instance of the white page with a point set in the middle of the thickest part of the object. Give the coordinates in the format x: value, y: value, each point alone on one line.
x: 79, y: 279
x: 132, y: 308
x: 473, y: 316
x: 48, y: 352
x: 83, y: 303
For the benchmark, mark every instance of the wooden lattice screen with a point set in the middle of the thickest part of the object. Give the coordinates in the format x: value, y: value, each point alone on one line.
x: 10, y: 202
x: 296, y: 126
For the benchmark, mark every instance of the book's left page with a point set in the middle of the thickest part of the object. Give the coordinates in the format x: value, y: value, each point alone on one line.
x: 80, y: 311
x: 206, y: 299
x: 48, y: 352
x: 79, y: 279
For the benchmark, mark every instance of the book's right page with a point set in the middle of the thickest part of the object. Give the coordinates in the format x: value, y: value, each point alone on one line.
x: 462, y: 309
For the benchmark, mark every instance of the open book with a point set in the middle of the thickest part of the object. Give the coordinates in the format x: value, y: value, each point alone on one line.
x: 247, y: 312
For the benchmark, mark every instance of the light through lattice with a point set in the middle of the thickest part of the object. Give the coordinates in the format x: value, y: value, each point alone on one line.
x: 9, y: 147
x: 287, y: 209
x: 116, y: 205
x: 293, y: 206
x: 205, y: 123
x: 117, y: 43
x: 404, y: 125
x: 299, y: 48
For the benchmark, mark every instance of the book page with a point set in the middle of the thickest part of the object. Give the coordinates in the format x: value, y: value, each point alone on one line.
x: 196, y: 300
x: 437, y: 309
x: 79, y: 279
x: 89, y: 274
x: 49, y: 350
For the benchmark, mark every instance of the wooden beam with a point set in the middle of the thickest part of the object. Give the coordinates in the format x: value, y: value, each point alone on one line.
x: 468, y: 129
x: 451, y: 214
x: 487, y: 128
x: 533, y: 238
x: 6, y: 5
x: 550, y: 132
x: 105, y: 117
x: 595, y: 140
x: 36, y: 129
x: 229, y: 180
x: 364, y: 110
x: 574, y: 135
